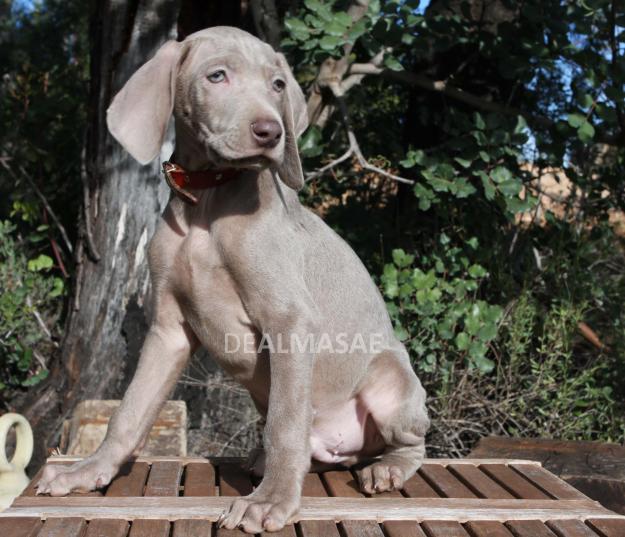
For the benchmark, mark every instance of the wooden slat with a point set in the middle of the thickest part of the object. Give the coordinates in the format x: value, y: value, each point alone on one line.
x: 192, y: 528
x: 20, y: 527
x: 483, y: 528
x: 287, y: 531
x: 130, y: 481
x: 63, y: 527
x: 151, y: 528
x: 107, y: 528
x: 479, y: 482
x: 149, y: 459
x: 512, y: 481
x: 234, y: 480
x: 570, y: 528
x: 608, y: 528
x: 341, y: 484
x: 164, y: 479
x: 403, y: 528
x: 417, y: 487
x: 344, y: 485
x: 173, y: 508
x: 444, y: 482
x: 313, y: 487
x: 199, y: 480
x: 548, y: 482
x: 529, y: 528
x: 443, y: 528
x: 362, y: 528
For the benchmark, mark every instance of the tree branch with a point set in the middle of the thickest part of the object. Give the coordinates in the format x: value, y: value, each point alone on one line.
x: 354, y: 147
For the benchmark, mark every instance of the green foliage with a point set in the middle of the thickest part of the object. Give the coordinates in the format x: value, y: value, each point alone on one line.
x: 487, y: 305
x: 560, y: 393
x: 29, y: 298
x: 435, y: 310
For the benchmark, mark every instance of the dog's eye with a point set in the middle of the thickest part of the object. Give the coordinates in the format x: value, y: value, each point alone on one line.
x: 279, y: 84
x: 217, y: 76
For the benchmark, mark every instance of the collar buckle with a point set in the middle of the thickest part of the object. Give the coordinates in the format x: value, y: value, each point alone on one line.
x: 171, y: 172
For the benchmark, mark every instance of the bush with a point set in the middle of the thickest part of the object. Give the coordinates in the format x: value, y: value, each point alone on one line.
x: 29, y: 309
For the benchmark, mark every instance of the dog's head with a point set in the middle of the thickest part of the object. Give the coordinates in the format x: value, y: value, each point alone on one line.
x: 232, y: 94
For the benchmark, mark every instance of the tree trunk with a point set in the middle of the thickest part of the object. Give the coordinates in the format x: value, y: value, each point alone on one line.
x: 109, y: 312
x: 104, y: 333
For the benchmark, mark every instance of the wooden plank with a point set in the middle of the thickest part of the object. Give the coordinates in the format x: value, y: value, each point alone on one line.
x: 287, y: 531
x: 375, y: 508
x: 20, y: 527
x: 130, y: 481
x: 529, y: 528
x: 444, y: 482
x: 608, y: 528
x: 548, y: 482
x: 362, y: 528
x: 192, y: 528
x: 107, y: 528
x: 402, y: 528
x: 512, y: 481
x: 443, y: 528
x: 484, y: 528
x: 479, y: 482
x: 149, y: 459
x: 234, y: 480
x: 417, y: 487
x: 313, y: 487
x: 570, y: 528
x: 341, y: 484
x: 63, y: 527
x: 199, y: 480
x: 164, y: 479
x: 151, y: 528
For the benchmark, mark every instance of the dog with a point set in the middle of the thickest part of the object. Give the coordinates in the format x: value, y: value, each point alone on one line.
x: 241, y: 268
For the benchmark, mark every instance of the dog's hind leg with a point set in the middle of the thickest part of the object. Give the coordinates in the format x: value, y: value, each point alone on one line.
x: 396, y: 401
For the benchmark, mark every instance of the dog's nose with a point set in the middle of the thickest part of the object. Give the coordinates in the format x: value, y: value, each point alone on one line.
x: 266, y: 132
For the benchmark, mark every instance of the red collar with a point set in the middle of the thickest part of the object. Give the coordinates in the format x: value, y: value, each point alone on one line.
x: 179, y: 179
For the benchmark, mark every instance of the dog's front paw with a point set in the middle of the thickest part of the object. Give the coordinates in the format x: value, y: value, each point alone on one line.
x: 84, y: 476
x: 260, y: 511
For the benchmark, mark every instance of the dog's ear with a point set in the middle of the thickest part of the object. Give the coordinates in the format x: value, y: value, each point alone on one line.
x: 295, y: 120
x: 140, y: 112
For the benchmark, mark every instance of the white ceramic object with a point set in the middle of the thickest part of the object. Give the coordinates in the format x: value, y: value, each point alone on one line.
x: 13, y: 478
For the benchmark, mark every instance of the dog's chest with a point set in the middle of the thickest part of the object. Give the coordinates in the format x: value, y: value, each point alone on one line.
x: 212, y: 305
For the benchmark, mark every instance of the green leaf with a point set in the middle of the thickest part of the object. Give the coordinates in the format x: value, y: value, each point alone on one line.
x: 329, y: 42
x: 334, y: 27
x: 393, y: 63
x: 479, y: 121
x: 465, y: 163
x: 310, y: 143
x: 389, y: 281
x: 501, y: 174
x: 462, y: 341
x: 313, y: 5
x: 297, y: 28
x: 586, y: 132
x: 576, y: 120
x: 41, y: 262
x: 401, y: 258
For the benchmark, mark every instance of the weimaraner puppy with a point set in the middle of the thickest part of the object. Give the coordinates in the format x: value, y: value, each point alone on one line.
x: 243, y: 269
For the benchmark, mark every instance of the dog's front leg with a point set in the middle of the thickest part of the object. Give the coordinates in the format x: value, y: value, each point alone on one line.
x: 287, y: 432
x: 166, y: 350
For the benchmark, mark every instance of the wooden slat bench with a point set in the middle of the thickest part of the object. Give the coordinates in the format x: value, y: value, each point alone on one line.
x: 183, y: 497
